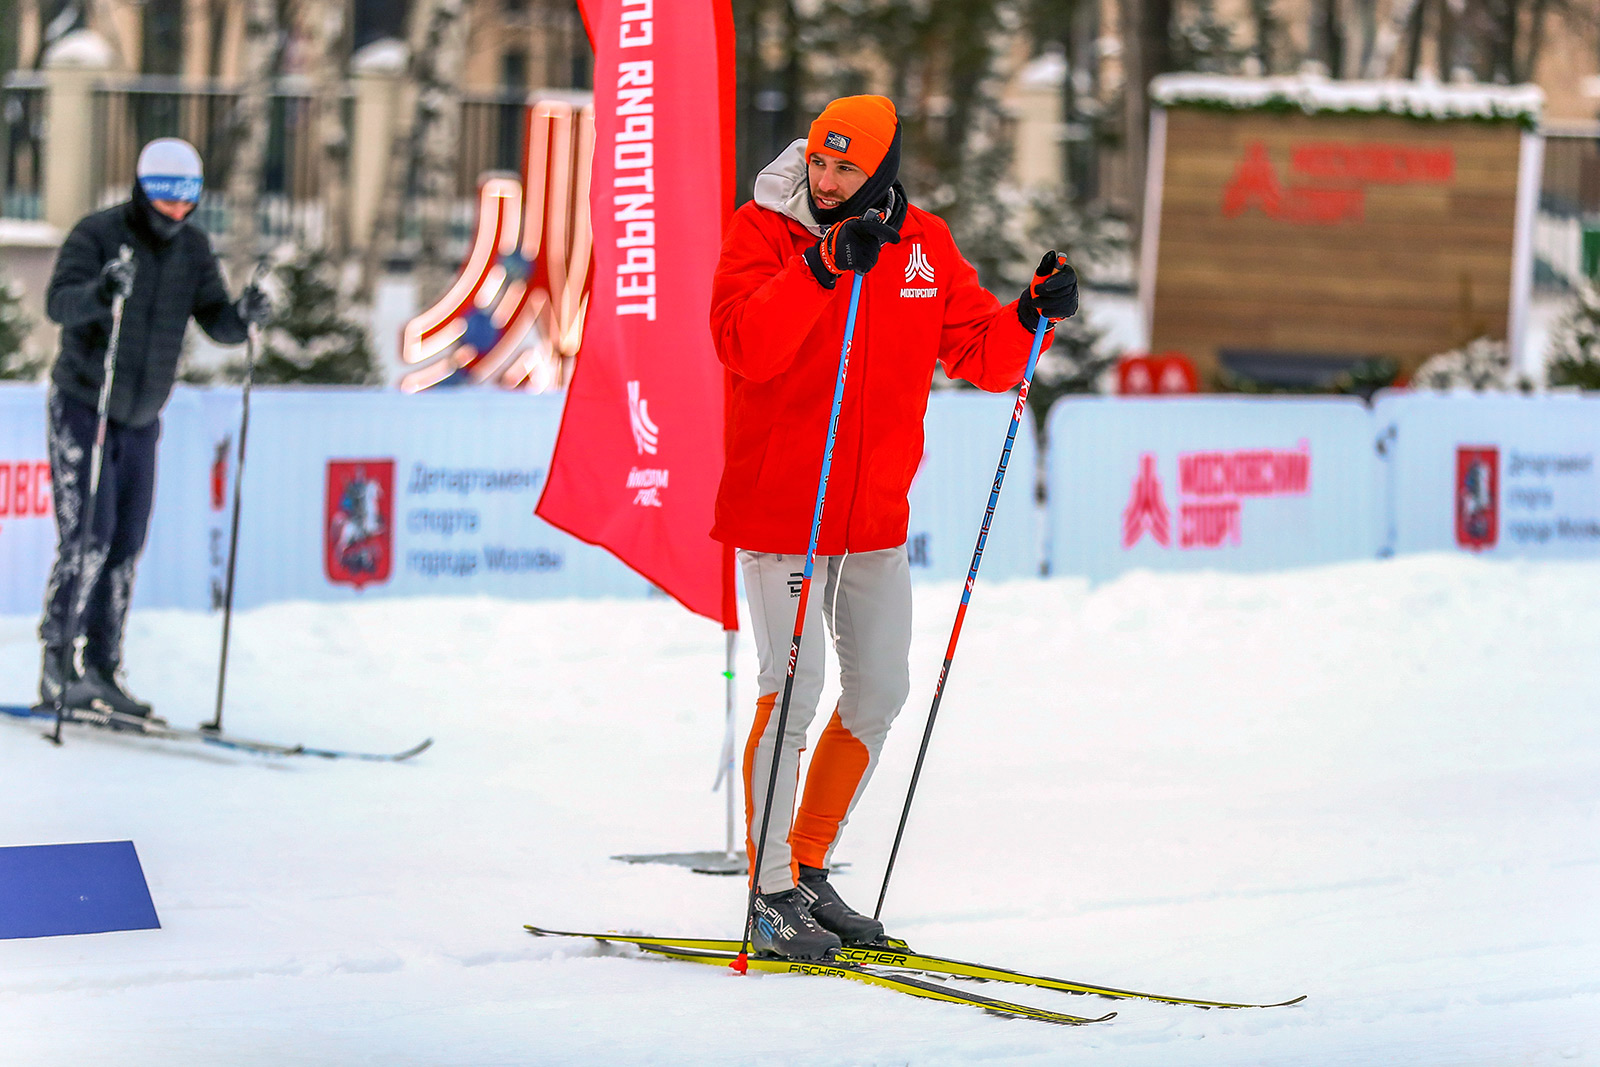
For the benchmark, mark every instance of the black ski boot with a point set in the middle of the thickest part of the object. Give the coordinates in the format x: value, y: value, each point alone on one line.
x: 100, y: 688
x: 834, y: 914
x: 784, y: 927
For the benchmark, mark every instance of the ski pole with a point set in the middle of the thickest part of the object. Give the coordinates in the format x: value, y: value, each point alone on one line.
x: 966, y: 597
x: 97, y: 458
x: 215, y: 724
x: 742, y: 962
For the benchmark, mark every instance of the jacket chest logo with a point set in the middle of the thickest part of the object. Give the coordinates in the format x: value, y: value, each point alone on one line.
x: 918, y: 269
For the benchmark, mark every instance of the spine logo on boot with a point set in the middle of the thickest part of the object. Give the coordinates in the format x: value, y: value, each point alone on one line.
x: 772, y: 924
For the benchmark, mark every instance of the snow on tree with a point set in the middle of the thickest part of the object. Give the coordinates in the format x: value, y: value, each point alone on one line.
x: 1574, y: 354
x: 251, y: 122
x: 1482, y: 365
x: 17, y: 359
x: 309, y: 339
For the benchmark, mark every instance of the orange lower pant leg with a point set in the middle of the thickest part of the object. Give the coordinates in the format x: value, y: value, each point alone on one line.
x: 837, y: 767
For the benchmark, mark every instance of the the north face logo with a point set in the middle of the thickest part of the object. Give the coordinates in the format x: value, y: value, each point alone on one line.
x: 836, y: 141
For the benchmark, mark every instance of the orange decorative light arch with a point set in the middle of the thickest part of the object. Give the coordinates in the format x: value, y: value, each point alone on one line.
x: 514, y: 314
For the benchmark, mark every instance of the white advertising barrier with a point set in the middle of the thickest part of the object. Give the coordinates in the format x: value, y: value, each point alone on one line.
x: 352, y: 494
x: 965, y: 432
x: 27, y: 524
x: 167, y: 577
x: 1236, y: 483
x: 1502, y: 475
x: 349, y: 493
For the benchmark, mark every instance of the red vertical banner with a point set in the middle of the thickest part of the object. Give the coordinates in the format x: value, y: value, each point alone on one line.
x: 639, y: 455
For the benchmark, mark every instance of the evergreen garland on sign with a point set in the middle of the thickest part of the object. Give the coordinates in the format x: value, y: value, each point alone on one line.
x: 1574, y: 356
x: 17, y: 362
x: 309, y: 340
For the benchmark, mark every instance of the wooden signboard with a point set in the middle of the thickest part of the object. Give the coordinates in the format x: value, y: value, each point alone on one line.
x: 1283, y: 247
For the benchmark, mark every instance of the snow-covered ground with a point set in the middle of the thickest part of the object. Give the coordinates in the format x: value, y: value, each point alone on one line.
x: 1377, y: 784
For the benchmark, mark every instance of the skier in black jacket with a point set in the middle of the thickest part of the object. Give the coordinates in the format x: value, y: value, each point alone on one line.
x: 172, y: 276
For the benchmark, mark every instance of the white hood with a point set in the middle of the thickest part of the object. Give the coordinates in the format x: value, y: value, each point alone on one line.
x: 781, y: 187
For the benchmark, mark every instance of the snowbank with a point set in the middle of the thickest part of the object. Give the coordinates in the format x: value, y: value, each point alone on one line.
x: 1373, y: 783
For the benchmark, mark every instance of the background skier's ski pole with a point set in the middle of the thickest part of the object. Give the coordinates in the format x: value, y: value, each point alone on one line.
x: 966, y: 596
x: 741, y: 963
x: 86, y: 517
x: 233, y: 535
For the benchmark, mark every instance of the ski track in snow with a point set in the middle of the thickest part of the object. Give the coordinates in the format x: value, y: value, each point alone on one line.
x: 1376, y: 783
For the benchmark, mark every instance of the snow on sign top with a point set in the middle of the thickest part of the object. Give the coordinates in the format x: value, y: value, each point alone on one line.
x: 1312, y: 94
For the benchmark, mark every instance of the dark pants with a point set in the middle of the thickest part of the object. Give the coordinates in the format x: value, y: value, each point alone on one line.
x: 101, y: 569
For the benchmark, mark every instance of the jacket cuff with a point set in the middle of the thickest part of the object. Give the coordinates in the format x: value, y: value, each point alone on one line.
x: 825, y: 277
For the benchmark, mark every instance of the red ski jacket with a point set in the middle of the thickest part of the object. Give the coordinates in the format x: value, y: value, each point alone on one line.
x: 779, y: 331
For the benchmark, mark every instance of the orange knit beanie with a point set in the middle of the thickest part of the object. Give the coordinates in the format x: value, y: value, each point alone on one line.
x: 854, y: 128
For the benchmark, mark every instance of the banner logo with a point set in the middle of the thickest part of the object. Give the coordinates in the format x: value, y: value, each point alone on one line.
x: 358, y: 522
x: 1212, y: 488
x: 1146, y: 509
x: 646, y: 435
x: 1347, y: 168
x: 1477, y: 497
x: 219, y: 473
x: 24, y: 489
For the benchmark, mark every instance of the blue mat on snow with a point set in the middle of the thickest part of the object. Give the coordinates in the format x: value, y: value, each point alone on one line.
x: 52, y: 890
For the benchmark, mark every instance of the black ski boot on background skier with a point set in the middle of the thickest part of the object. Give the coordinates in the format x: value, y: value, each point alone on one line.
x: 785, y: 927
x: 54, y: 676
x: 832, y: 913
x: 98, y: 688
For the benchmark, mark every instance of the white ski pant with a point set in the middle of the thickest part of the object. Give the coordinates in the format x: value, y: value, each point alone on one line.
x: 864, y: 599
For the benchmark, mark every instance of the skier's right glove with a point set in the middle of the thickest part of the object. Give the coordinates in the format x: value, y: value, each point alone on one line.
x: 116, y: 279
x: 851, y: 245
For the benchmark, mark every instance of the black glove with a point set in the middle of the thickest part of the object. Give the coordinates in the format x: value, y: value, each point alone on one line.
x: 116, y: 279
x: 253, y: 306
x: 1053, y: 293
x: 851, y: 245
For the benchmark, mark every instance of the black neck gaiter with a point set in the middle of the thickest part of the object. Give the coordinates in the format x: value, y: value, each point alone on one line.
x: 155, y: 226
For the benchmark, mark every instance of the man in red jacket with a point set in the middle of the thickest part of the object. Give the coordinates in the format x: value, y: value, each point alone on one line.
x: 779, y: 303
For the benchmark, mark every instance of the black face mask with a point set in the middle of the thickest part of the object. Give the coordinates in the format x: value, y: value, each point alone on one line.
x: 158, y: 227
x: 881, y: 191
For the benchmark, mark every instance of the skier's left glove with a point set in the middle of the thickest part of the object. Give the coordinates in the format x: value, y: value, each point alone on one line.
x: 1053, y: 293
x: 253, y: 305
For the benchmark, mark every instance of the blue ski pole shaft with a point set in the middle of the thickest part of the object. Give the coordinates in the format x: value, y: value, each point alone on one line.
x: 966, y: 598
x: 740, y: 963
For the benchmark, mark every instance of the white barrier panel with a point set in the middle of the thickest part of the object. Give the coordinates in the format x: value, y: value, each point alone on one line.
x: 965, y: 432
x: 1236, y: 483
x: 356, y: 494
x: 1502, y: 475
x: 353, y: 493
x: 27, y: 523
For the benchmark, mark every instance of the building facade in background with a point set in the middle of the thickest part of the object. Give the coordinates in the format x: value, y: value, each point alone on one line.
x: 514, y: 44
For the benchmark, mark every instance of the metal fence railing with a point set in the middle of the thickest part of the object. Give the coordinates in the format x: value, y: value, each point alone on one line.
x: 132, y: 114
x: 22, y: 99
